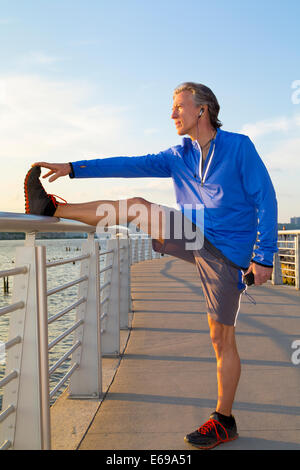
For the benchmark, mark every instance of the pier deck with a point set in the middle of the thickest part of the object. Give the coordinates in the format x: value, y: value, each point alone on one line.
x: 165, y: 385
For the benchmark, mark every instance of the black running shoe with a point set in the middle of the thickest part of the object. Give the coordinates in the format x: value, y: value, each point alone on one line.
x: 37, y: 201
x: 212, y: 433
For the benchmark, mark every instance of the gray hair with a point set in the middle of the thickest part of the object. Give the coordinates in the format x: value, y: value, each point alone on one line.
x: 202, y: 95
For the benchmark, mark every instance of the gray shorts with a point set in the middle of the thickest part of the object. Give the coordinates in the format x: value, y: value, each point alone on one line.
x: 221, y: 280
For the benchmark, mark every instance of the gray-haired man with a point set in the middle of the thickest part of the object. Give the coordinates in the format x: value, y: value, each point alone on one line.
x: 213, y: 169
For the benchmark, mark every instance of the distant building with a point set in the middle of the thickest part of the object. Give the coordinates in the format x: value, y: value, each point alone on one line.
x: 294, y: 224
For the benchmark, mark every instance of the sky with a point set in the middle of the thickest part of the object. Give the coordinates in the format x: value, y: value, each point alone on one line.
x: 83, y: 79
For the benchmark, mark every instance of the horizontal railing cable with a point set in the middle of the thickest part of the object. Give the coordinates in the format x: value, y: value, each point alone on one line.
x: 64, y: 379
x: 102, y: 253
x: 106, y: 284
x: 105, y: 300
x: 66, y: 333
x: 64, y: 357
x: 66, y: 310
x: 6, y: 445
x: 107, y: 268
x: 52, y: 264
x: 9, y: 344
x: 14, y: 271
x: 4, y: 414
x: 67, y: 285
x: 8, y: 378
x: 11, y: 308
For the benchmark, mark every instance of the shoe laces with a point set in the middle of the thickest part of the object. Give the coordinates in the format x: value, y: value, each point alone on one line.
x: 53, y: 199
x: 209, y: 425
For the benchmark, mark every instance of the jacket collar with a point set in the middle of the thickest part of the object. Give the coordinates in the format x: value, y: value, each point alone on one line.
x: 187, y: 142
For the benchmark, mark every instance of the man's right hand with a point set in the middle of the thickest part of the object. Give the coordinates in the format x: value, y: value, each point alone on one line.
x: 56, y: 169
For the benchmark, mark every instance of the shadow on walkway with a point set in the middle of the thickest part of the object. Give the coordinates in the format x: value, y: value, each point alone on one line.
x: 166, y: 384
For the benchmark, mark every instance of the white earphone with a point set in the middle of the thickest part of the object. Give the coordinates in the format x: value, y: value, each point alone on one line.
x: 201, y: 112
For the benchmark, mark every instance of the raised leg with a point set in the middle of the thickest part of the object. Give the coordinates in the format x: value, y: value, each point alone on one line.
x: 143, y: 213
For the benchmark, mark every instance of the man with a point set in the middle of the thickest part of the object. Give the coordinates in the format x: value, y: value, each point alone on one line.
x: 222, y: 172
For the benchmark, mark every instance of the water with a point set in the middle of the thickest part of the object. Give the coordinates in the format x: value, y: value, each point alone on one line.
x: 55, y: 249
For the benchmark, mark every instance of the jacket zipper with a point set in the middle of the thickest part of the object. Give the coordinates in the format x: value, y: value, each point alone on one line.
x: 203, y: 177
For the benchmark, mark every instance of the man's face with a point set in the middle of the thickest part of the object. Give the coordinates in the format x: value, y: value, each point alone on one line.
x: 185, y: 113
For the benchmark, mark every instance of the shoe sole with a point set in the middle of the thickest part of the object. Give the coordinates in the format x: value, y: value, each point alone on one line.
x: 27, y: 208
x: 50, y: 197
x: 213, y: 445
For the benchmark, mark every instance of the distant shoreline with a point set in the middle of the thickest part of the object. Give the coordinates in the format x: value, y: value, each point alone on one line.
x: 42, y: 236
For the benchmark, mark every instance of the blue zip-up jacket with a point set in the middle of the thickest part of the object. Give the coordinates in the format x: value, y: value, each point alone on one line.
x: 240, y: 207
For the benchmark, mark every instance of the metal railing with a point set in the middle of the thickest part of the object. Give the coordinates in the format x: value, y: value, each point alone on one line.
x: 101, y: 308
x: 13, y: 373
x: 289, y: 256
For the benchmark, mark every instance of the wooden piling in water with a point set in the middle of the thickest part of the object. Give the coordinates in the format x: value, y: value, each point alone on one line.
x: 5, y: 285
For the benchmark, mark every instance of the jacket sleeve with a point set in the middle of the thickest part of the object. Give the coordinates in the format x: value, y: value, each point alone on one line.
x: 260, y: 192
x: 152, y: 165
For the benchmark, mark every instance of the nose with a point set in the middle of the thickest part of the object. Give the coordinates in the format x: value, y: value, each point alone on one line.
x: 174, y: 114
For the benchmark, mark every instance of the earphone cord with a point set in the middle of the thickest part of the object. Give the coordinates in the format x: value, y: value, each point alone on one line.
x: 203, y: 146
x: 202, y: 157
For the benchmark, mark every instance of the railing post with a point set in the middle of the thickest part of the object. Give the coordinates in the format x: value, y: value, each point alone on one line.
x: 129, y: 273
x: 297, y: 261
x: 42, y: 311
x: 142, y: 250
x: 86, y: 381
x: 24, y: 427
x: 132, y: 245
x: 135, y: 250
x: 124, y: 281
x: 276, y: 274
x: 149, y: 243
x: 110, y: 325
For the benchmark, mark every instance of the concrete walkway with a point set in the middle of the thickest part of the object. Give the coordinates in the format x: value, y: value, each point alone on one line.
x: 165, y: 385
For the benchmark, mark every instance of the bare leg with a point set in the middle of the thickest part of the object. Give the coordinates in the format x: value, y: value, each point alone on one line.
x: 228, y: 364
x: 106, y: 213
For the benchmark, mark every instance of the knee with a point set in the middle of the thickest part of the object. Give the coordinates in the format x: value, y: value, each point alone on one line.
x: 217, y: 339
x: 222, y: 337
x: 138, y: 200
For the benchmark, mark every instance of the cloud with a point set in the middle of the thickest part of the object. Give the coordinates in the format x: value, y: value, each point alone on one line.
x: 61, y: 121
x: 40, y: 58
x: 285, y: 156
x: 46, y: 120
x: 278, y: 124
x: 44, y: 117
